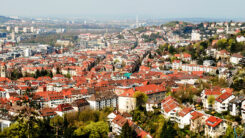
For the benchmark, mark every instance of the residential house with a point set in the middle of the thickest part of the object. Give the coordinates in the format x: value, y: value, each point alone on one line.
x: 235, y: 58
x: 103, y: 99
x: 176, y: 64
x: 48, y: 112
x: 236, y: 104
x: 222, y: 102
x: 215, y: 92
x: 153, y: 91
x: 183, y: 117
x: 169, y: 107
x: 215, y: 127
x: 5, y: 121
x: 119, y: 121
x: 240, y: 38
x: 197, y: 123
x: 127, y: 101
x: 80, y: 104
x: 62, y: 109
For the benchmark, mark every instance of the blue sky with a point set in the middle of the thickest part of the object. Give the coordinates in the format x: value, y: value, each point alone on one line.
x: 153, y: 8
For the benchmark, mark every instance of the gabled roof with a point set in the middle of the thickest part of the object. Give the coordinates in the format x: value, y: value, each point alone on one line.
x: 128, y: 93
x: 120, y: 120
x: 48, y: 112
x: 223, y: 97
x: 80, y: 102
x: 213, y: 121
x: 213, y: 91
x: 150, y: 89
x: 185, y: 111
x: 237, y: 55
x: 196, y: 115
x: 169, y: 104
x: 64, y: 107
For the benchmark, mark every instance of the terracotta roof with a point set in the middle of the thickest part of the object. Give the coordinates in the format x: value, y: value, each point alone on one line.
x: 47, y: 112
x: 213, y: 121
x: 128, y: 93
x: 169, y: 104
x: 214, y: 91
x: 196, y: 115
x: 185, y: 111
x: 150, y: 89
x: 64, y: 107
x: 120, y: 120
x: 80, y: 102
x: 223, y: 97
x: 237, y: 55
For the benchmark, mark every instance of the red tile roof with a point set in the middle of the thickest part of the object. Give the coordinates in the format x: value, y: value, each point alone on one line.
x: 214, y: 91
x: 223, y: 97
x: 120, y: 120
x: 142, y: 134
x: 196, y: 115
x: 185, y: 111
x: 169, y: 104
x: 64, y: 107
x: 150, y: 89
x: 48, y: 112
x: 213, y: 121
x: 128, y: 93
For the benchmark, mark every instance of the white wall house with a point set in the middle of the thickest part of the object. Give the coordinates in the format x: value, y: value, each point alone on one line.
x: 222, y: 102
x: 4, y: 123
x: 184, y: 117
x: 235, y: 58
x: 126, y: 104
x: 215, y: 127
x: 102, y: 100
x: 240, y: 38
x: 235, y: 104
x: 170, y: 107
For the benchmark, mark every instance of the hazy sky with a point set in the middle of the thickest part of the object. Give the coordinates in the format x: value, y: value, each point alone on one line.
x: 155, y: 8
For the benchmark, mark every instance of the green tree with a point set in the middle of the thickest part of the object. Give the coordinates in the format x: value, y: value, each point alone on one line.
x: 15, y: 74
x: 26, y: 124
x: 45, y: 128
x: 93, y: 130
x: 171, y: 49
x: 168, y: 130
x: 57, y: 123
x: 58, y: 70
x: 211, y: 100
x: 50, y: 74
x: 141, y: 99
x: 37, y: 74
x: 127, y: 131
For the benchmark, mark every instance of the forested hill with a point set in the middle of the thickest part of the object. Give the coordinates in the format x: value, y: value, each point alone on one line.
x: 4, y: 19
x: 174, y: 23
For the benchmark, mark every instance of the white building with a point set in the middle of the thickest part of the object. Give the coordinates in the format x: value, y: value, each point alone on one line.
x: 215, y: 127
x: 235, y: 58
x: 195, y: 35
x: 4, y: 123
x: 126, y: 103
x: 170, y: 107
x: 16, y: 29
x: 240, y: 38
x: 222, y: 102
x: 101, y: 100
x: 184, y: 117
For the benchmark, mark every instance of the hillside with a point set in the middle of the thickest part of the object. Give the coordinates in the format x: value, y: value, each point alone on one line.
x: 173, y: 24
x: 4, y: 19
